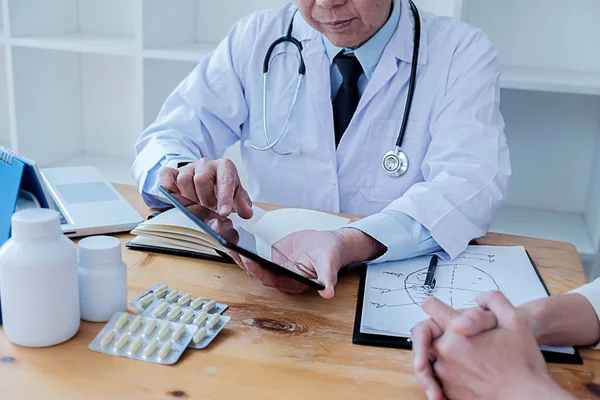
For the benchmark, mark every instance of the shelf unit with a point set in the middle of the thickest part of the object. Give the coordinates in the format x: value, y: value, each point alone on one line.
x: 80, y: 79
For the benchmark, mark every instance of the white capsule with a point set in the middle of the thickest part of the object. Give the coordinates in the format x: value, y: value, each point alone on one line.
x: 123, y: 340
x: 209, y: 306
x: 197, y: 303
x: 199, y: 335
x: 136, y: 344
x: 151, y: 348
x: 146, y: 300
x: 107, y: 338
x: 213, y: 321
x: 135, y: 324
x: 150, y: 327
x: 160, y: 292
x: 174, y: 313
x: 164, y: 352
x: 164, y: 331
x: 200, y: 319
x: 184, y: 299
x: 187, y: 316
x: 178, y: 332
x: 161, y: 310
x: 122, y: 321
x: 172, y: 296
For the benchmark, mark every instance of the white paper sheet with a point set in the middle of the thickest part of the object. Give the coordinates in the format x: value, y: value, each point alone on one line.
x: 394, y: 290
x: 277, y: 224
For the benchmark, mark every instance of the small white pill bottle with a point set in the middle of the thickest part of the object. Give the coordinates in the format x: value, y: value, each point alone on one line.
x: 102, y: 278
x: 38, y: 281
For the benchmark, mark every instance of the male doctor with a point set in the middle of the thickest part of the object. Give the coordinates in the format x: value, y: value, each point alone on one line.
x: 349, y: 109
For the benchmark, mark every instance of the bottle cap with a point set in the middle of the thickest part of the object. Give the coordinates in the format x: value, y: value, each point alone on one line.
x: 36, y: 223
x: 99, y: 250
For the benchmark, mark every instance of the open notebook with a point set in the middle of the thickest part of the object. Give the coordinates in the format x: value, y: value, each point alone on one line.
x: 171, y: 232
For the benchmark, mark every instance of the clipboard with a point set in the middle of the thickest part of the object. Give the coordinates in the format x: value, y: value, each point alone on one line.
x: 368, y: 339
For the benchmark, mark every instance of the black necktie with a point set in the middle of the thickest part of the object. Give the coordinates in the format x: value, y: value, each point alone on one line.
x: 346, y: 99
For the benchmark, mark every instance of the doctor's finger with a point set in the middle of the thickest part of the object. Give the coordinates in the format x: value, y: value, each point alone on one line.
x: 226, y: 185
x: 327, y: 275
x: 204, y: 182
x: 266, y: 277
x: 185, y: 183
x: 441, y: 313
x: 242, y: 204
x: 167, y: 178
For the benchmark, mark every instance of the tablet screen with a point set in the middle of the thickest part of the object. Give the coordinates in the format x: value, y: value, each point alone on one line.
x: 227, y: 234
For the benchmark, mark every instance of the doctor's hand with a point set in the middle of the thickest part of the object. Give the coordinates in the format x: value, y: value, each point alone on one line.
x: 213, y: 183
x: 502, y: 363
x: 316, y: 255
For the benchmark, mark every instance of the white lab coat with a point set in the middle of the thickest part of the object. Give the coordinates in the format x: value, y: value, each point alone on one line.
x: 459, y: 159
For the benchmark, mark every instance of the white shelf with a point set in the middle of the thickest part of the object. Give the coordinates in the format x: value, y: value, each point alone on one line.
x: 192, y: 52
x: 551, y: 80
x: 84, y: 77
x: 115, y: 169
x: 564, y: 227
x: 80, y: 42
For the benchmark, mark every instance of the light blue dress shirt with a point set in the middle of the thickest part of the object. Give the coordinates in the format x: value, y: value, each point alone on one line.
x: 402, y: 235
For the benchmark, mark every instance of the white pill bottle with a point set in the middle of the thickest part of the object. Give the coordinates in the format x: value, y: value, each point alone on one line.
x: 102, y: 278
x: 38, y: 281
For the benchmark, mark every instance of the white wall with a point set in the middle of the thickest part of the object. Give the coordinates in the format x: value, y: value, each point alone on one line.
x: 56, y: 16
x: 592, y: 209
x: 551, y: 35
x: 48, y: 104
x: 108, y: 96
x: 4, y: 124
x: 552, y: 147
x: 105, y: 17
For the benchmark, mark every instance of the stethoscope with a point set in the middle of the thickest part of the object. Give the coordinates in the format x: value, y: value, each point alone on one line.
x: 395, y: 162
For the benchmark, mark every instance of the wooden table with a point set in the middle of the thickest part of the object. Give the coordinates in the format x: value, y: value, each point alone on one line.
x: 276, y: 346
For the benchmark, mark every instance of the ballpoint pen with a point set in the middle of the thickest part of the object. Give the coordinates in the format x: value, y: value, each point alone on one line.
x: 429, y: 279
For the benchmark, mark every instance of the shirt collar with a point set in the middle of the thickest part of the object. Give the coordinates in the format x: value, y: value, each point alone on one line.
x: 370, y: 52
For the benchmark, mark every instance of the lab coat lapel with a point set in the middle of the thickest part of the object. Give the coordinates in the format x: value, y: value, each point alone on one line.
x: 386, y: 70
x: 399, y: 49
x: 318, y: 81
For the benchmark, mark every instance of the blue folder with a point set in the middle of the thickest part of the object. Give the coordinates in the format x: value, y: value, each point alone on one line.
x: 16, y: 173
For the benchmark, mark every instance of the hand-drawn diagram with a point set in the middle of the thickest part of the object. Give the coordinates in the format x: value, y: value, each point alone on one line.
x: 456, y: 284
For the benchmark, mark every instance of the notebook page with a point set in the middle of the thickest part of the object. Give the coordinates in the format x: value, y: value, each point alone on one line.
x: 277, y: 224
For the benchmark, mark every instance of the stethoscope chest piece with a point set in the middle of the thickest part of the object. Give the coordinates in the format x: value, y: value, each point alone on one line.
x: 395, y: 163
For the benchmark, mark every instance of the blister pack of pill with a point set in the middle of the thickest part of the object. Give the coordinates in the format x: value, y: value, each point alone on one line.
x: 144, y: 338
x: 208, y: 330
x: 160, y: 294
